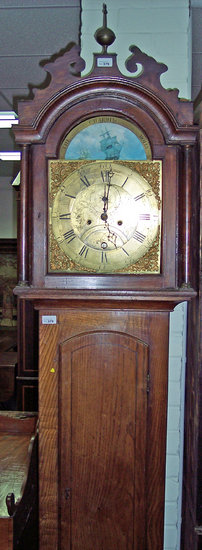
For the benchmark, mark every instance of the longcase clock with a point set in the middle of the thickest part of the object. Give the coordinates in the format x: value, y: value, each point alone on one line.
x: 107, y: 249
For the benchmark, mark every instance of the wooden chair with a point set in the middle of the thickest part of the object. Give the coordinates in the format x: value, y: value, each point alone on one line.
x: 18, y: 481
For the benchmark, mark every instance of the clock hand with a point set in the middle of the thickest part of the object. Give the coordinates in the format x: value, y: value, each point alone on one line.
x: 109, y: 177
x: 106, y: 176
x: 112, y: 237
x: 104, y: 198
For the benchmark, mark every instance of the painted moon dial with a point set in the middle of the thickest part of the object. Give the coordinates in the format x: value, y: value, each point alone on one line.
x: 105, y: 217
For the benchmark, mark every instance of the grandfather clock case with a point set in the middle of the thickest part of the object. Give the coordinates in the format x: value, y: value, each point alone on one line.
x: 96, y: 294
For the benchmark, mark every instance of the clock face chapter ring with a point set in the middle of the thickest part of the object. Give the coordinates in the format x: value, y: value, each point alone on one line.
x: 104, y: 217
x: 94, y: 219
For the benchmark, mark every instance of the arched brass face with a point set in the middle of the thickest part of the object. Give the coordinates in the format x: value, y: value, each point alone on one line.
x: 105, y: 217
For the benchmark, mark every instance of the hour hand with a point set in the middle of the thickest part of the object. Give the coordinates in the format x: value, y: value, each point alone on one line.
x: 106, y: 177
x: 105, y: 180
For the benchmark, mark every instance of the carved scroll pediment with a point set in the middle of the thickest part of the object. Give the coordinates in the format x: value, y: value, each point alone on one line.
x: 63, y: 70
x: 151, y: 70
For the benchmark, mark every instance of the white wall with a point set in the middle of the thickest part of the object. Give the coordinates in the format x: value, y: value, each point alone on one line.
x: 175, y: 429
x: 8, y: 209
x: 162, y: 29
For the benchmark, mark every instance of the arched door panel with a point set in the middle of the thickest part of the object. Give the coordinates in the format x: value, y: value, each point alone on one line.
x: 103, y: 423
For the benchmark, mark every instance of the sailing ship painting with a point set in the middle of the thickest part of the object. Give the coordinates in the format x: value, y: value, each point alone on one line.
x: 105, y: 141
x: 110, y: 146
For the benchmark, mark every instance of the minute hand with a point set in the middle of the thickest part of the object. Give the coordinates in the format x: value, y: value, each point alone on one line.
x: 107, y: 181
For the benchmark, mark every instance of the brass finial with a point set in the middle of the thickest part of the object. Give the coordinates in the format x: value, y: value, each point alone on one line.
x: 104, y: 36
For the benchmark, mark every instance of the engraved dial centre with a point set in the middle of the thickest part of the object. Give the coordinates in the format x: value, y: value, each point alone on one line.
x: 120, y: 219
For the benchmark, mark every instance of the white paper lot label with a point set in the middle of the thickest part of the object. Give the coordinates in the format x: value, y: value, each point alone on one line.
x: 104, y: 62
x: 49, y: 319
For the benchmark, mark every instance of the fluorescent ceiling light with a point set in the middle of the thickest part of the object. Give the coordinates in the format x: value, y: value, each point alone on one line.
x: 16, y: 181
x: 7, y: 119
x: 12, y: 155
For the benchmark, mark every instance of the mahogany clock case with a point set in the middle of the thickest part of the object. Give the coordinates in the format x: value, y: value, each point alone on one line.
x: 171, y: 141
x: 81, y: 312
x: 101, y: 426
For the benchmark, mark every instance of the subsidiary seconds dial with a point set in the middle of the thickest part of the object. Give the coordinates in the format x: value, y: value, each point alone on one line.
x: 105, y: 217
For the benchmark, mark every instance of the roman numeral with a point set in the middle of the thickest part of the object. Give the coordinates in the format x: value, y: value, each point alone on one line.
x: 103, y: 257
x: 65, y: 216
x: 69, y: 235
x: 124, y: 250
x: 84, y: 251
x: 144, y: 216
x: 85, y: 181
x: 124, y: 181
x: 139, y: 237
x: 138, y: 197
x: 71, y: 196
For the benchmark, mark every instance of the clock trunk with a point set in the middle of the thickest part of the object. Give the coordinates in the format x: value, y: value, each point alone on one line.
x: 107, y: 409
x: 102, y: 336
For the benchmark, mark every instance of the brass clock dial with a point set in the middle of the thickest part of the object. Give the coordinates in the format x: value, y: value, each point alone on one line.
x: 105, y: 217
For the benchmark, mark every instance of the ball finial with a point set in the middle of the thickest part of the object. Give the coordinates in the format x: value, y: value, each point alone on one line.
x: 104, y: 36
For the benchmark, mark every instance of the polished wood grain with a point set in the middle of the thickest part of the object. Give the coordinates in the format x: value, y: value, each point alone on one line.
x: 24, y: 218
x: 103, y: 391
x: 93, y: 389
